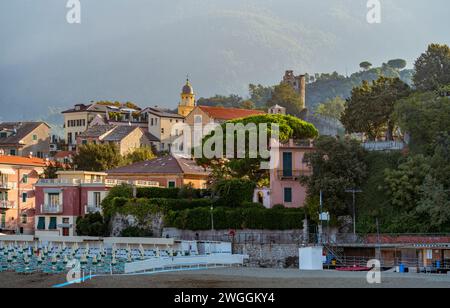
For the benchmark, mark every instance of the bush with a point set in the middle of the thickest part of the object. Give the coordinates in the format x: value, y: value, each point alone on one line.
x: 91, y: 225
x: 234, y: 192
x: 136, y: 232
x: 236, y: 218
x: 156, y: 192
x: 185, y: 192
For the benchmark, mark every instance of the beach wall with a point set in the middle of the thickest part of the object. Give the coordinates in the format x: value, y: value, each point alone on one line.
x: 269, y: 255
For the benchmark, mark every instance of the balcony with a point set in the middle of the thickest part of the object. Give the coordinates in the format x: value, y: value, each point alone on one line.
x: 5, y: 204
x: 51, y: 209
x: 7, y: 185
x: 290, y: 175
x: 92, y: 209
x: 378, y: 146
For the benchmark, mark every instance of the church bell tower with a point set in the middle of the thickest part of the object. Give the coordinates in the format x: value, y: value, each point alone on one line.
x: 187, y: 103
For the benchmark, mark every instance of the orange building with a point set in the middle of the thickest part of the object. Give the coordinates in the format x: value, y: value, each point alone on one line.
x: 18, y: 175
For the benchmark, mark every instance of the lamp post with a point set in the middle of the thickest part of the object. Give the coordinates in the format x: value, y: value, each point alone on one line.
x: 212, y: 218
x: 354, y: 192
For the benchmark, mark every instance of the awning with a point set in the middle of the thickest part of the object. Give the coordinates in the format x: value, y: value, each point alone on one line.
x: 8, y: 171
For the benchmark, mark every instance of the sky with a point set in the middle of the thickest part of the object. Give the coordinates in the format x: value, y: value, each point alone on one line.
x: 142, y: 50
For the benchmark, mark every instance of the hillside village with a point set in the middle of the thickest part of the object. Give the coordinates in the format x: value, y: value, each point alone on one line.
x: 379, y: 166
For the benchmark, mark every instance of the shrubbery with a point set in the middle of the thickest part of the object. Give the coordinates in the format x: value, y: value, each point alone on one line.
x: 91, y: 225
x: 236, y: 218
x: 234, y: 192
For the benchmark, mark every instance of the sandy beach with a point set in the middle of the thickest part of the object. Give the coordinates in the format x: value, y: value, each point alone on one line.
x: 233, y: 278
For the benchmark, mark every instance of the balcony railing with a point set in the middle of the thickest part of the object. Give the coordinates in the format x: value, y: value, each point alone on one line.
x: 108, y: 182
x: 7, y: 185
x: 51, y: 209
x: 384, y: 146
x: 92, y: 209
x: 290, y: 174
x: 5, y: 204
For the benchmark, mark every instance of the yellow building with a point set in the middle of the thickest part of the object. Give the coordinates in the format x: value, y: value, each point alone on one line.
x: 187, y: 103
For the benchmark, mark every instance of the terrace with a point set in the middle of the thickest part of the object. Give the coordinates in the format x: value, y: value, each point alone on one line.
x: 5, y: 204
x: 102, y: 182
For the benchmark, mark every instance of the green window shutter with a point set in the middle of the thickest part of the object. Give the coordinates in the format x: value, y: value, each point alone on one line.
x: 288, y: 194
x: 41, y: 223
x: 24, y: 197
x: 52, y: 224
x: 287, y: 164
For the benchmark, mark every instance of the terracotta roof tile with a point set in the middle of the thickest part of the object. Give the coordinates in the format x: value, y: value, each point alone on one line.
x: 161, y: 165
x: 18, y: 160
x: 226, y: 114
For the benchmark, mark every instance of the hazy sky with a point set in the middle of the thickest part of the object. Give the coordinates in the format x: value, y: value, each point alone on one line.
x: 141, y: 50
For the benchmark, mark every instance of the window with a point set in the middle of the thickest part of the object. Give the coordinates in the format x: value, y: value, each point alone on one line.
x: 35, y: 137
x: 12, y: 152
x: 40, y: 155
x: 53, y: 199
x: 198, y: 119
x: 287, y: 194
x: 53, y: 223
x: 287, y: 164
x: 84, y: 141
x: 171, y: 184
x: 69, y: 138
x: 24, y: 218
x: 66, y: 220
x: 3, y: 135
x: 41, y: 223
x: 97, y: 199
x: 24, y: 197
x: 151, y: 122
x: 25, y: 179
x: 162, y: 130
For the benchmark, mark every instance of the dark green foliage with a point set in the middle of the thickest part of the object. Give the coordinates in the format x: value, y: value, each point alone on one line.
x: 136, y: 232
x: 289, y: 127
x: 398, y: 64
x: 371, y: 107
x: 328, y: 86
x: 231, y: 101
x: 233, y: 192
x: 156, y: 192
x: 98, y: 157
x: 424, y: 116
x: 238, y: 218
x: 91, y: 225
x: 284, y: 95
x: 433, y: 68
x: 185, y: 192
x: 338, y: 165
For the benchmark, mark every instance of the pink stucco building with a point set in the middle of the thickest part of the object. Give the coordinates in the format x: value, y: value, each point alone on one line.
x: 59, y: 202
x: 285, y: 186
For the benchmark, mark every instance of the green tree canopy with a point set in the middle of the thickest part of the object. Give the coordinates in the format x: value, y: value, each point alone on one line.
x: 140, y: 154
x: 365, y: 65
x: 284, y: 95
x: 98, y: 157
x: 433, y: 68
x: 289, y: 128
x: 423, y: 116
x: 332, y: 108
x: 337, y: 165
x: 371, y: 106
x: 398, y: 64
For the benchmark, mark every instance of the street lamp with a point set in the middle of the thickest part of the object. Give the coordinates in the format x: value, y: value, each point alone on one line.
x: 354, y: 192
x: 212, y: 218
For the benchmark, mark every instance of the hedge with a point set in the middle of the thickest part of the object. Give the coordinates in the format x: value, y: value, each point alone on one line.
x: 142, y: 206
x: 238, y: 218
x: 170, y: 193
